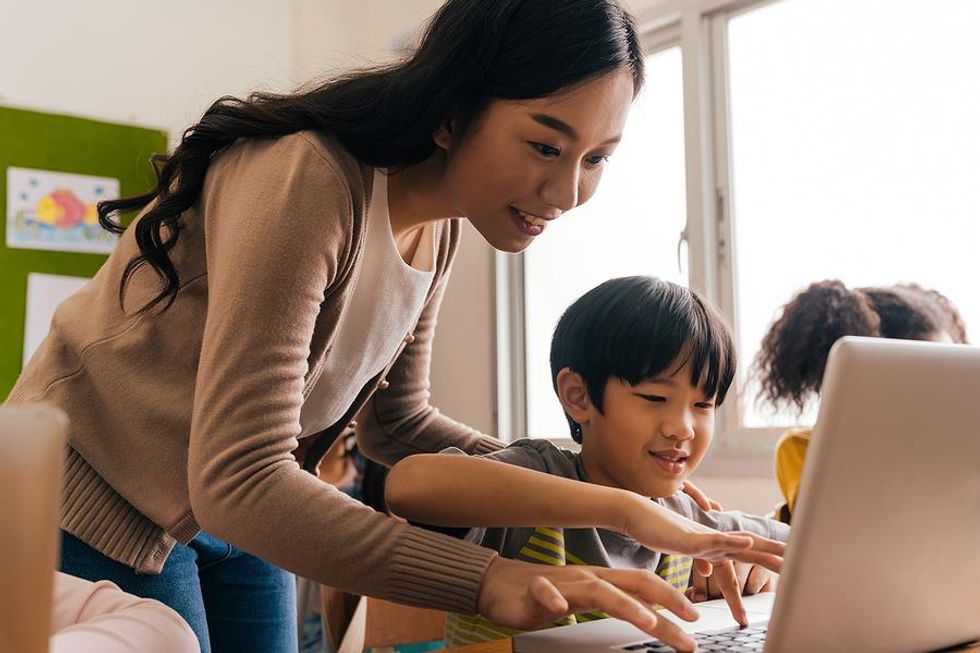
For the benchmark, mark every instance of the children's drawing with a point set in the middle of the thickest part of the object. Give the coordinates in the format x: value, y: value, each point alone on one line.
x: 56, y: 211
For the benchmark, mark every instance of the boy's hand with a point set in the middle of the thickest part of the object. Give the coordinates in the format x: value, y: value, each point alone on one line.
x: 522, y: 595
x: 660, y: 529
x: 752, y: 579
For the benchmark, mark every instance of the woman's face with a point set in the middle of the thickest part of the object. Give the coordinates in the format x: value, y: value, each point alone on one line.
x: 523, y: 163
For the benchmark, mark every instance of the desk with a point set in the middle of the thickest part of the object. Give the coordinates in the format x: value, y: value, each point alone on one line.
x: 503, y: 646
x: 499, y: 646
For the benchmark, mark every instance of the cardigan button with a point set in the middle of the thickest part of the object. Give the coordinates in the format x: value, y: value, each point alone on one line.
x: 409, y: 339
x: 383, y: 385
x: 353, y: 424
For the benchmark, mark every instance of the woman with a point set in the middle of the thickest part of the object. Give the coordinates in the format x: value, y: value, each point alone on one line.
x: 279, y: 281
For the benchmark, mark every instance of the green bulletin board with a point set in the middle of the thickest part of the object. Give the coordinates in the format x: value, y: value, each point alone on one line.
x: 42, y: 141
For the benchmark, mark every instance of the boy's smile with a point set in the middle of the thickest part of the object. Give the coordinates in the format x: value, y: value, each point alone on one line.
x: 672, y: 461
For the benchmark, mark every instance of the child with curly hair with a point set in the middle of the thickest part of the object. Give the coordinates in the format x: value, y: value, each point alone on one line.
x: 791, y: 363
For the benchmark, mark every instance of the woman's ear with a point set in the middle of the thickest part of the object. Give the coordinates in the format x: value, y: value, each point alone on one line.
x: 573, y: 394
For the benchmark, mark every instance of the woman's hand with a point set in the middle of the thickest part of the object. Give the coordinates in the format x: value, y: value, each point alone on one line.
x: 704, y: 502
x: 523, y: 595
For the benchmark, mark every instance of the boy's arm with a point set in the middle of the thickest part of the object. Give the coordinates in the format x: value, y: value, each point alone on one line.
x: 752, y: 579
x: 466, y: 491
x: 728, y: 521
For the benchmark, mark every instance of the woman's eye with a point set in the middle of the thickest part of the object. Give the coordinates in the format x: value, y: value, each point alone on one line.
x: 597, y: 160
x: 654, y: 398
x: 546, y: 150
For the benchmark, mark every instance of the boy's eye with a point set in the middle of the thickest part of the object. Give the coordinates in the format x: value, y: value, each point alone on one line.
x: 654, y: 398
x: 597, y: 160
x: 706, y: 405
x: 549, y: 151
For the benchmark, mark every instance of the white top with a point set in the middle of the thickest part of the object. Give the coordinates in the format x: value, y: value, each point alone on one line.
x: 388, y: 298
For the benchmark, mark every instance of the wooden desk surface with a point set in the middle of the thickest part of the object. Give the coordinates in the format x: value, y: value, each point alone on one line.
x: 503, y: 646
x: 499, y: 646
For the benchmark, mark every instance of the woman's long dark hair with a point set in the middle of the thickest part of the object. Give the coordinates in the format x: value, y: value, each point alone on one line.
x: 472, y: 52
x: 793, y: 357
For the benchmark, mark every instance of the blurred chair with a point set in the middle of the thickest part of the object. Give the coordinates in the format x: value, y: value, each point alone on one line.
x: 378, y: 626
x: 32, y: 447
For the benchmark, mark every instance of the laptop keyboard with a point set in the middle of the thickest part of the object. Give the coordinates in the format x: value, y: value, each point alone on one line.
x: 734, y: 640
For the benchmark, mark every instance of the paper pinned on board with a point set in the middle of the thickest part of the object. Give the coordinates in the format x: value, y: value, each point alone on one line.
x: 44, y: 293
x: 56, y: 211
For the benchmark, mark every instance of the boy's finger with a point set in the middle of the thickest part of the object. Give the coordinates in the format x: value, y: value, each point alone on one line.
x: 764, y: 544
x: 699, y: 587
x: 757, y: 579
x: 769, y: 561
x: 728, y: 584
x: 703, y: 567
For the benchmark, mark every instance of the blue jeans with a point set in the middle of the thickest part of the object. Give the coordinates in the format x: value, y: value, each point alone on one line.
x: 234, y: 601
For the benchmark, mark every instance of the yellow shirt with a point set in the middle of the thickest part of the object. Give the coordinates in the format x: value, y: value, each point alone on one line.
x: 790, y: 454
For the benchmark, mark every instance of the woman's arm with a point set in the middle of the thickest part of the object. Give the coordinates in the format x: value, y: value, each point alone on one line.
x: 279, y: 221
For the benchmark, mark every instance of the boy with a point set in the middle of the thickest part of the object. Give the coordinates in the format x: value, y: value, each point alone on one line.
x: 639, y: 366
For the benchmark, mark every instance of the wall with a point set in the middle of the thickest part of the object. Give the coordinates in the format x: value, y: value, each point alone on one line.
x: 151, y: 64
x: 160, y: 65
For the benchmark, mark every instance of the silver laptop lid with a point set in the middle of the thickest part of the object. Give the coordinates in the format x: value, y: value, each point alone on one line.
x: 32, y: 442
x: 885, y: 549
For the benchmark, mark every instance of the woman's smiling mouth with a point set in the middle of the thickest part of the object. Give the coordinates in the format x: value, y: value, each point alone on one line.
x: 527, y: 223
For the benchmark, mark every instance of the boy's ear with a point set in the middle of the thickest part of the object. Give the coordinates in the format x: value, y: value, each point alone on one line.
x: 443, y: 135
x: 574, y: 395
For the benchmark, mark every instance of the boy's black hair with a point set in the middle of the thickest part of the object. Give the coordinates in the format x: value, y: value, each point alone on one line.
x: 634, y: 328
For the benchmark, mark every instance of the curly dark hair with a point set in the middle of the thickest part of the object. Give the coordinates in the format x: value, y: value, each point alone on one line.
x: 791, y: 362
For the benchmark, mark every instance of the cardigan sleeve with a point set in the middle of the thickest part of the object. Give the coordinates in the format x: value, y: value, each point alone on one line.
x: 278, y: 228
x: 398, y: 420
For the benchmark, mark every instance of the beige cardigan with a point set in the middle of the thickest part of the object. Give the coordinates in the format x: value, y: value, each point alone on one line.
x: 187, y: 418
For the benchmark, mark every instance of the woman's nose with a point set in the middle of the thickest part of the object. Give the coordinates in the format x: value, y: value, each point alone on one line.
x: 561, y: 189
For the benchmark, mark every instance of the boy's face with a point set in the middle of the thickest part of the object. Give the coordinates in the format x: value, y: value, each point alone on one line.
x: 650, y: 436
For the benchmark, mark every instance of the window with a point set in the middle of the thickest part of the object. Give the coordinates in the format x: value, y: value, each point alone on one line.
x: 855, y: 154
x: 642, y: 195
x: 804, y: 139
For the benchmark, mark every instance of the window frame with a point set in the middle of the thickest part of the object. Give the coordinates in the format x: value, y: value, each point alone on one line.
x: 699, y: 28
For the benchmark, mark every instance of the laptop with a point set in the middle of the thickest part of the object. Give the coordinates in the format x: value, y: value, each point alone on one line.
x: 32, y: 447
x: 885, y: 549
